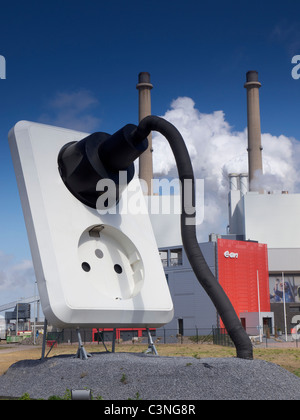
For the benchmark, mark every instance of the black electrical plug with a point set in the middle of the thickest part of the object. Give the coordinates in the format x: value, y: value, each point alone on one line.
x: 188, y: 232
x: 99, y: 156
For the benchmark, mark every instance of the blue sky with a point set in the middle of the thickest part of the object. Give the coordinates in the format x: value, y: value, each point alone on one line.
x: 75, y: 64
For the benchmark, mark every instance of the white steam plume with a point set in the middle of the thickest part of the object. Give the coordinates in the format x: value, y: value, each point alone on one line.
x: 216, y: 150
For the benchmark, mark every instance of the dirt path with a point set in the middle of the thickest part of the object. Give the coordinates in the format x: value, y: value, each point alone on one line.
x: 12, y: 354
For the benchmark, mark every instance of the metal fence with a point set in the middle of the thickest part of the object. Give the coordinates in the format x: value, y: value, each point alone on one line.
x: 192, y: 335
x: 70, y: 336
x: 161, y: 335
x: 265, y: 340
x: 221, y: 337
x: 196, y: 335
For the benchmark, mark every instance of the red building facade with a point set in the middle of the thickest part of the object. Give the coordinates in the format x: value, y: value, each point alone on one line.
x: 243, y: 274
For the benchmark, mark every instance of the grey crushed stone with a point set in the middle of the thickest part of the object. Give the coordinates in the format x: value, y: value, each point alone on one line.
x: 119, y: 376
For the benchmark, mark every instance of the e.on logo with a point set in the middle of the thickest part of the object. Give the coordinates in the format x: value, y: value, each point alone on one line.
x: 231, y: 255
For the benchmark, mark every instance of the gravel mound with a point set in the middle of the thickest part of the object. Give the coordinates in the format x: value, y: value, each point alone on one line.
x: 119, y: 376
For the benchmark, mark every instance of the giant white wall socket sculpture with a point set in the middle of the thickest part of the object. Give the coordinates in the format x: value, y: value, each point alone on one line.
x: 91, y: 269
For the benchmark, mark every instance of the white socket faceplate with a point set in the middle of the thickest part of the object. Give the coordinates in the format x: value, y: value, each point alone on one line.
x: 91, y: 269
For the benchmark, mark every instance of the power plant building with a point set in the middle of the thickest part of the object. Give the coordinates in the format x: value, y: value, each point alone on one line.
x: 269, y: 217
x: 263, y: 232
x: 273, y: 219
x: 241, y: 267
x: 257, y: 263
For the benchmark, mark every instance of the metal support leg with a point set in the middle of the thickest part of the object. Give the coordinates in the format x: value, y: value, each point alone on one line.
x: 81, y: 352
x: 151, y: 347
x: 113, y: 349
x: 100, y: 335
x: 44, y: 339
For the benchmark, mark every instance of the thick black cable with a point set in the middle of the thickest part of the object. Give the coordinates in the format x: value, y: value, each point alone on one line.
x: 203, y: 273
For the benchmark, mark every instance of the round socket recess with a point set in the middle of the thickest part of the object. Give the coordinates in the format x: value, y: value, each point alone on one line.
x: 110, y: 261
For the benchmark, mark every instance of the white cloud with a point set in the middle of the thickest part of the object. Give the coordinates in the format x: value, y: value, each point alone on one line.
x: 216, y: 150
x: 287, y: 34
x: 16, y: 278
x: 72, y: 110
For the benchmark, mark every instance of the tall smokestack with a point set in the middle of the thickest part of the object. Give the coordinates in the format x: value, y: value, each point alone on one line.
x: 254, y: 132
x: 145, y: 161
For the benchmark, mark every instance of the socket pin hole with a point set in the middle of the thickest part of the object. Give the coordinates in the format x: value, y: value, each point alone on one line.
x: 118, y: 269
x: 86, y: 267
x: 99, y: 253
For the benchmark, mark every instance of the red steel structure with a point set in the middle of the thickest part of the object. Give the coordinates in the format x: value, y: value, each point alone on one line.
x: 135, y: 332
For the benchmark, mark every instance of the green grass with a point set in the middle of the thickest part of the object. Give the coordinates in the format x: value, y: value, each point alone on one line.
x: 287, y: 358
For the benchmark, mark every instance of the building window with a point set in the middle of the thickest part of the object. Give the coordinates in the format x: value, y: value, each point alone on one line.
x: 176, y: 257
x: 171, y: 257
x: 164, y: 258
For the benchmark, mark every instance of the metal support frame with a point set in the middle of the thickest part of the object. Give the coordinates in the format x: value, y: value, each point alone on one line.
x: 101, y: 336
x: 81, y: 352
x: 151, y: 346
x: 113, y: 348
x: 44, y: 339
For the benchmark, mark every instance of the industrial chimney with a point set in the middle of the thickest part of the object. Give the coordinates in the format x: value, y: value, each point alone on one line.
x: 145, y: 161
x: 254, y: 132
